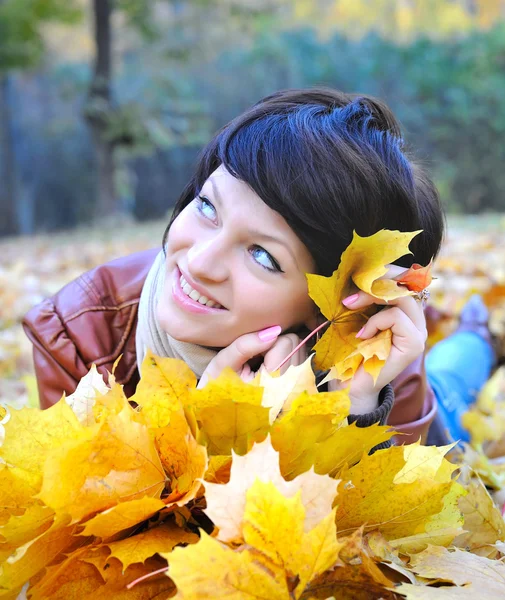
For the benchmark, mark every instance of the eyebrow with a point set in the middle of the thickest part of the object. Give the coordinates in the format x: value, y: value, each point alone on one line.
x: 253, y: 232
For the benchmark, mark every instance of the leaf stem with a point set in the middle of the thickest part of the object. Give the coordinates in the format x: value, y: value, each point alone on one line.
x: 135, y: 581
x: 301, y: 344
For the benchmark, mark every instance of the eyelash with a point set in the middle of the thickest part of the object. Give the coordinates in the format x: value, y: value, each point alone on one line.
x: 276, y: 269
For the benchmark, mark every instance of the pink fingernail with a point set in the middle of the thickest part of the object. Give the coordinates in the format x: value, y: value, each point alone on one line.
x: 350, y: 300
x: 270, y: 333
x: 360, y: 332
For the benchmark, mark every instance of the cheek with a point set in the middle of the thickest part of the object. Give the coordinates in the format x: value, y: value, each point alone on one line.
x: 266, y: 304
x: 180, y: 235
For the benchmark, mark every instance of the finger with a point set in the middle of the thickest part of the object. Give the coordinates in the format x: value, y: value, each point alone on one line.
x: 413, y: 309
x: 405, y: 333
x: 239, y: 352
x: 282, y: 347
x: 407, y: 304
x: 247, y: 373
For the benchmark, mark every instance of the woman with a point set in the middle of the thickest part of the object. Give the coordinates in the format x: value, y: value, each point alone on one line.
x: 276, y: 194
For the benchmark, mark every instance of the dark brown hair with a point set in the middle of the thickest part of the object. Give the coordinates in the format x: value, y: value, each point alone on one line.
x: 329, y: 163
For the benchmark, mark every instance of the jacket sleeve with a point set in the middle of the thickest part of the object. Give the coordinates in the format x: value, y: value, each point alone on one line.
x: 415, y: 405
x: 58, y: 366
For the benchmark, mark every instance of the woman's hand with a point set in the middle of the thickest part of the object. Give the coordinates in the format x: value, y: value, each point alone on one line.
x: 267, y: 343
x: 405, y: 317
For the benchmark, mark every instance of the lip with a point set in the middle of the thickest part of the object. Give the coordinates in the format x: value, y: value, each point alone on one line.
x: 186, y: 302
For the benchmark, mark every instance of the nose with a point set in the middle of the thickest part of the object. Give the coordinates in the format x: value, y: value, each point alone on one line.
x: 207, y: 260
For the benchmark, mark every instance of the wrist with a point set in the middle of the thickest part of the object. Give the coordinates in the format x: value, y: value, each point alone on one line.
x: 363, y: 404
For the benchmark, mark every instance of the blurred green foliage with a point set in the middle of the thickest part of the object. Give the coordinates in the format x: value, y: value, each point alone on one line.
x: 21, y: 41
x: 181, y: 76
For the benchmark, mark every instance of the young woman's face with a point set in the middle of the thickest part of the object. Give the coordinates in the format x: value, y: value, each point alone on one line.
x: 233, y: 266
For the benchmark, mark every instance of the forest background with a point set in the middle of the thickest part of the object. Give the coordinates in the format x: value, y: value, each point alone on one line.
x: 105, y: 104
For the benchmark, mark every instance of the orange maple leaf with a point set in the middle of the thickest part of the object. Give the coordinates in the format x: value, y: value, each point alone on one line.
x: 417, y: 278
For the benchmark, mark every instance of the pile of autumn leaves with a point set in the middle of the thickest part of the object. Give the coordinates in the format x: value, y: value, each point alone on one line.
x: 255, y: 490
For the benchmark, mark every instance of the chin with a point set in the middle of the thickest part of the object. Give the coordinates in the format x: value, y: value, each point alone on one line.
x: 185, y: 331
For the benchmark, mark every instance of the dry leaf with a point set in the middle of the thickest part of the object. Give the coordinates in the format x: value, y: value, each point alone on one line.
x: 476, y: 575
x: 483, y: 521
x: 83, y: 399
x: 357, y: 577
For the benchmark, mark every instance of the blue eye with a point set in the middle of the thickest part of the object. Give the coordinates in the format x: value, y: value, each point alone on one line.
x: 266, y: 260
x: 206, y: 208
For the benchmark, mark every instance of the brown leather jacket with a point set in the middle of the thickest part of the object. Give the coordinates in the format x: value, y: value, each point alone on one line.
x: 93, y: 320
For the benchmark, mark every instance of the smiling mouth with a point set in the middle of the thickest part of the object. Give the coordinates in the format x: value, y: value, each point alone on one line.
x: 196, y: 296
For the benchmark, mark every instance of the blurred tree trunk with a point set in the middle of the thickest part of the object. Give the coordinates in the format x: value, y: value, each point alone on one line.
x: 8, y: 221
x: 98, y: 110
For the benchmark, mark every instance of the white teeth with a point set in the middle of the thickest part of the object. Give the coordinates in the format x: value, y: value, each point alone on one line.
x: 194, y: 295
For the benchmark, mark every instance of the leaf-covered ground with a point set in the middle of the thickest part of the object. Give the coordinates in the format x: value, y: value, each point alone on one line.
x: 292, y: 517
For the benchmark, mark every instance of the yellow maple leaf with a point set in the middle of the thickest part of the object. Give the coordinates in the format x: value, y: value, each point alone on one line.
x: 100, y: 466
x: 229, y: 414
x: 91, y: 573
x: 163, y: 396
x: 184, y: 460
x: 328, y: 443
x: 31, y: 434
x: 19, y: 530
x: 218, y: 470
x: 362, y: 265
x: 112, y: 402
x: 209, y: 570
x: 226, y: 503
x: 122, y: 516
x: 138, y: 548
x: 401, y: 491
x: 30, y: 558
x: 280, y: 560
x: 163, y: 389
x: 16, y: 495
x: 319, y: 416
x: 346, y: 447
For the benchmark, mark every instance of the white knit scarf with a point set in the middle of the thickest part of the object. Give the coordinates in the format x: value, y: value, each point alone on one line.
x: 151, y: 335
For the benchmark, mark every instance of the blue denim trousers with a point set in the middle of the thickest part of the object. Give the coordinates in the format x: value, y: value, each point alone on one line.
x: 457, y: 368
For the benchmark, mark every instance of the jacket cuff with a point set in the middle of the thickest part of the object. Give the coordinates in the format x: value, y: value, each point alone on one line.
x: 380, y: 414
